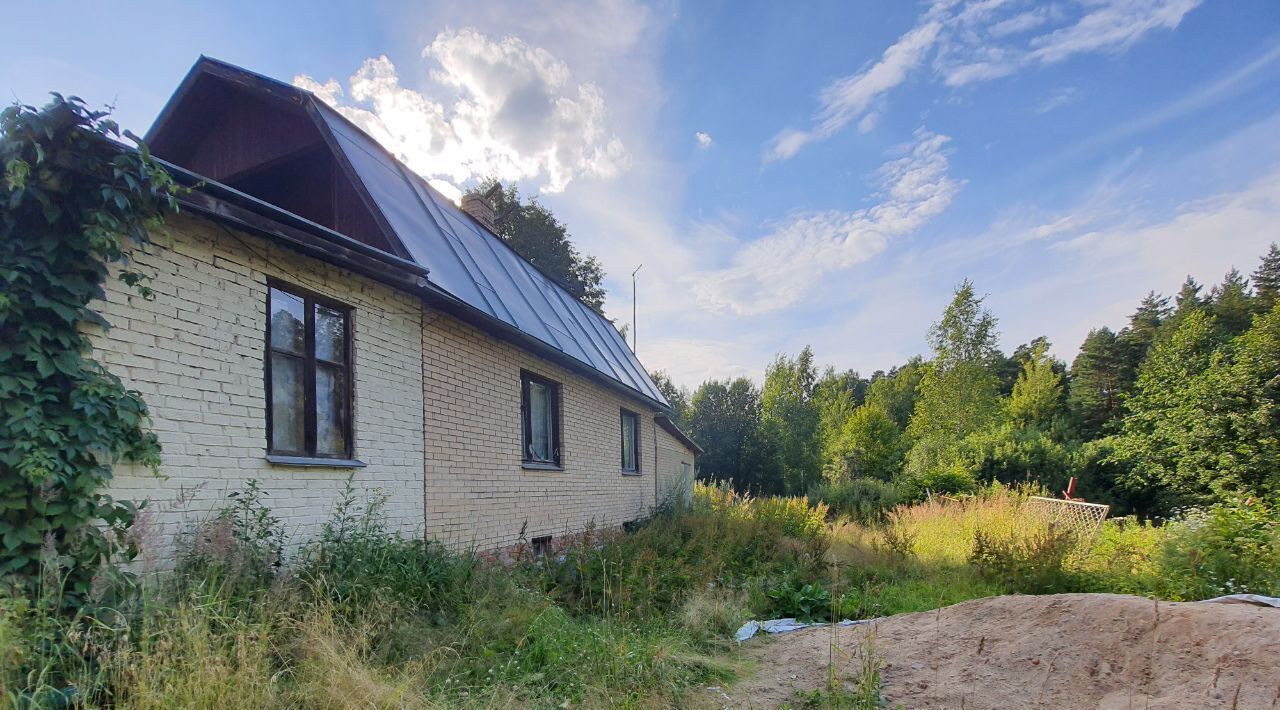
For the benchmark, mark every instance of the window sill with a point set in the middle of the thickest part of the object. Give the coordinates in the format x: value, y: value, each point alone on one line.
x: 631, y: 473
x: 537, y: 466
x: 310, y: 461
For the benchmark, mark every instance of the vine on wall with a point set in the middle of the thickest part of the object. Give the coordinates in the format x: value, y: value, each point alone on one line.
x: 74, y: 203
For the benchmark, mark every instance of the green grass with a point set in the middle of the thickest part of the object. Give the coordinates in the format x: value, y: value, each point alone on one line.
x: 364, y: 617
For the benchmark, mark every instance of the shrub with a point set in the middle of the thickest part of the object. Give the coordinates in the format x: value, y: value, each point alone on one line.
x: 862, y: 500
x: 1230, y: 548
x: 238, y: 552
x: 1032, y: 563
x: 1123, y: 558
x: 357, y: 562
x: 805, y: 602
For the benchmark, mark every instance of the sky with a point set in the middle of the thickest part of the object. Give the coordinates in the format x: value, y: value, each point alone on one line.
x: 820, y: 173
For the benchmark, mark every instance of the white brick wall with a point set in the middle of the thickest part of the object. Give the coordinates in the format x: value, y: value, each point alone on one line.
x: 478, y: 494
x: 196, y: 352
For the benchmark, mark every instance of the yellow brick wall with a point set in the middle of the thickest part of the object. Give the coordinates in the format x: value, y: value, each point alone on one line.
x: 478, y: 494
x: 195, y: 352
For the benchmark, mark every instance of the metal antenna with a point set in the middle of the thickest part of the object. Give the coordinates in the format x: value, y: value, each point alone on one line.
x: 633, y: 310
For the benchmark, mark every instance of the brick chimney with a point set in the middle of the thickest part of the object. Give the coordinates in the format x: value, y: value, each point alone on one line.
x: 479, y: 207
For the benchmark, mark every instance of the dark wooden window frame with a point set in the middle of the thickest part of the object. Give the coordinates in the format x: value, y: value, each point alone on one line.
x: 635, y: 439
x: 526, y: 422
x: 309, y: 456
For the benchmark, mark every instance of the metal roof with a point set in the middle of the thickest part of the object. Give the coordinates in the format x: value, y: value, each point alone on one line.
x: 462, y: 257
x: 478, y: 267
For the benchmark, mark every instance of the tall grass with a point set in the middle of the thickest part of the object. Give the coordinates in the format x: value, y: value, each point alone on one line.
x: 365, y: 617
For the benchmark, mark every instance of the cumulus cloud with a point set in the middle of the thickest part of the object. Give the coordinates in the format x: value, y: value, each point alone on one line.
x: 974, y: 41
x: 498, y: 108
x: 703, y: 138
x: 775, y: 271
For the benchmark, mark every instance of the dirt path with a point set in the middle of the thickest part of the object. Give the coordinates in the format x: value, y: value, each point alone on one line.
x: 1060, y: 651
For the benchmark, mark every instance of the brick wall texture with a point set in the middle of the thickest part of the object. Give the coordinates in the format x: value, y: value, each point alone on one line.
x: 478, y: 493
x: 450, y: 469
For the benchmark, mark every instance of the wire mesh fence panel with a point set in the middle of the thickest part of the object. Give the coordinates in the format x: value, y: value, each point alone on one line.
x: 1082, y: 519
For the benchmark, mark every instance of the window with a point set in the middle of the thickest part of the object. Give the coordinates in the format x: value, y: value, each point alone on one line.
x: 308, y: 374
x: 630, y: 442
x: 540, y: 412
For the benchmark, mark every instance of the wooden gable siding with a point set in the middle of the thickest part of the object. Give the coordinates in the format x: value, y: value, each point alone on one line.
x: 269, y: 148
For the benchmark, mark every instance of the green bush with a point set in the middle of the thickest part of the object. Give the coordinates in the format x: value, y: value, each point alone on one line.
x: 805, y: 602
x: 1034, y: 562
x: 236, y: 553
x: 357, y: 562
x: 1123, y: 557
x: 1230, y: 548
x: 862, y: 500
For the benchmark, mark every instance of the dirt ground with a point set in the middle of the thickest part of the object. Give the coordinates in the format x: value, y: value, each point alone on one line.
x: 1060, y: 651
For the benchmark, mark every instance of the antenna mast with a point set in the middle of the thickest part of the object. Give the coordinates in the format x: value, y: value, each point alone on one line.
x: 634, y: 329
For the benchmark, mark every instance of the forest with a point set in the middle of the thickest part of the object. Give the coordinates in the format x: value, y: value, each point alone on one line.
x: 1180, y: 408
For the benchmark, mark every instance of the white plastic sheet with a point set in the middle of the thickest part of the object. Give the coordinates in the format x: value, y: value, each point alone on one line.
x: 782, y: 626
x: 1255, y: 599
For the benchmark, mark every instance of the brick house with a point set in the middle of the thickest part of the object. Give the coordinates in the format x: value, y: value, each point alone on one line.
x: 320, y: 310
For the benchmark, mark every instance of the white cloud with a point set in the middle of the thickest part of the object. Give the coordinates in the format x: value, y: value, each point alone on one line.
x: 703, y: 138
x: 849, y: 98
x: 1022, y: 22
x: 1111, y: 26
x: 775, y: 271
x: 1058, y: 98
x: 499, y: 108
x: 978, y: 41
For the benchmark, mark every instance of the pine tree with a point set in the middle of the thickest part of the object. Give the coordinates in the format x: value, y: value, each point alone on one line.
x: 1231, y: 303
x: 1098, y: 378
x: 1266, y: 281
x: 1141, y: 333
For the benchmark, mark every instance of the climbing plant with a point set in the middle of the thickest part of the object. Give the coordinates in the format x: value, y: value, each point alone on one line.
x: 75, y: 201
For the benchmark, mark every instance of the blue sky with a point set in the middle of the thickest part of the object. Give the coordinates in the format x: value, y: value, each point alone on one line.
x: 788, y: 173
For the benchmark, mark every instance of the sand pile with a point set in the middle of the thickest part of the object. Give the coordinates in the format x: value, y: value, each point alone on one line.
x: 1059, y: 651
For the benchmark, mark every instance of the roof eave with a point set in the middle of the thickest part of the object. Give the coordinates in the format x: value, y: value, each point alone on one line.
x: 670, y: 427
x: 230, y: 207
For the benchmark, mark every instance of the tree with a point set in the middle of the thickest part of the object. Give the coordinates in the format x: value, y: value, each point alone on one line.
x: 1238, y: 437
x: 791, y: 418
x: 677, y: 397
x: 1155, y: 438
x: 959, y: 393
x: 1037, y: 395
x: 535, y: 233
x: 724, y: 417
x: 869, y: 444
x: 966, y: 334
x: 836, y: 395
x: 895, y: 392
x: 1266, y: 281
x: 1097, y: 377
x: 1232, y: 304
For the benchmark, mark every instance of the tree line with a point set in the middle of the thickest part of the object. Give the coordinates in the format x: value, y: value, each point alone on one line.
x: 1179, y: 408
